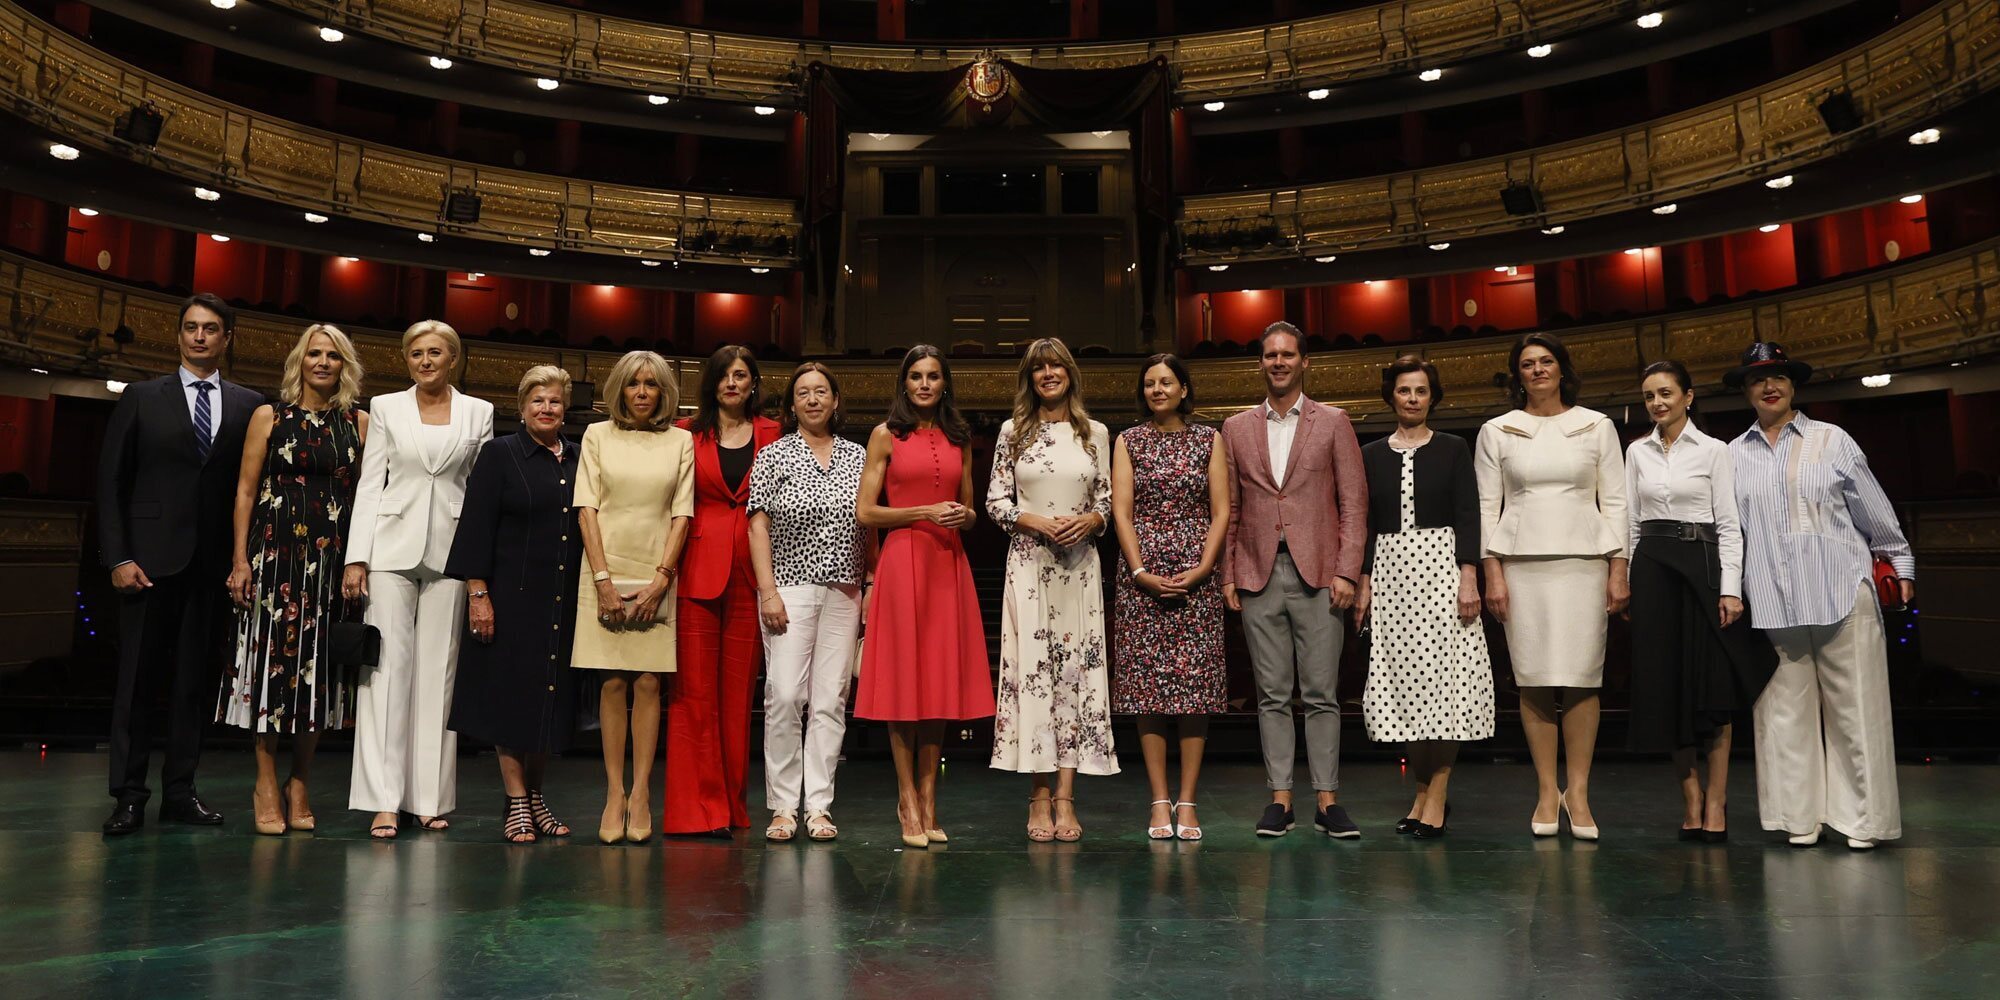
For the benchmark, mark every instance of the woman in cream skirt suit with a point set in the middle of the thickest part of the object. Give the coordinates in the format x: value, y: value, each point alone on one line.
x: 1552, y: 518
x: 634, y: 498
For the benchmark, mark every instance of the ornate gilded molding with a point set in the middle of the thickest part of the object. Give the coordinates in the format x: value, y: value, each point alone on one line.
x: 1936, y: 60
x: 547, y: 40
x: 1924, y: 312
x: 80, y: 93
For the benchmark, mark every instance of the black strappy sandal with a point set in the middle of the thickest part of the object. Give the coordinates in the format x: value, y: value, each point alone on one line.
x: 546, y: 822
x: 518, y: 827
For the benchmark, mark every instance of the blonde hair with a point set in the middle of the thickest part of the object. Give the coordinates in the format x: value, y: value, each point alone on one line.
x: 622, y: 375
x: 1027, y: 403
x: 444, y: 332
x: 538, y: 377
x: 347, y: 392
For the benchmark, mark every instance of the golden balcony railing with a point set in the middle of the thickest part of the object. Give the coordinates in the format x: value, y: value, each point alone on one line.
x: 81, y: 94
x: 546, y: 40
x: 1936, y: 60
x: 1935, y: 309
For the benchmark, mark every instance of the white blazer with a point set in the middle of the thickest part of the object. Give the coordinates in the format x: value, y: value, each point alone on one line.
x: 1551, y: 486
x: 407, y: 504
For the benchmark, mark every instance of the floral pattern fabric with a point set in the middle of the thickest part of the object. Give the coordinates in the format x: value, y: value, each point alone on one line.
x: 1053, y: 706
x: 280, y: 680
x: 1169, y: 658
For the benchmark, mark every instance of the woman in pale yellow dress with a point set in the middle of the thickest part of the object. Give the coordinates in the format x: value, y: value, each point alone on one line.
x: 634, y: 497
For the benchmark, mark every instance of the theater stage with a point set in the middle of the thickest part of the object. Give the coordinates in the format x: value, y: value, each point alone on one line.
x: 178, y: 911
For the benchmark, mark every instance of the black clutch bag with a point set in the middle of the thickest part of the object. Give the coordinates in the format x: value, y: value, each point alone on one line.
x: 354, y: 644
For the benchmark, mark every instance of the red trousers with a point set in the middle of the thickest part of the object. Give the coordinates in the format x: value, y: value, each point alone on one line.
x: 708, y: 709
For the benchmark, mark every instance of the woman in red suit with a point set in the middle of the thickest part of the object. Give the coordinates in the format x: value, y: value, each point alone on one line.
x: 708, y: 709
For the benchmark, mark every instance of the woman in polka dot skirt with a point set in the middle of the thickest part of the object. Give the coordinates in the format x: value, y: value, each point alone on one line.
x: 1430, y: 681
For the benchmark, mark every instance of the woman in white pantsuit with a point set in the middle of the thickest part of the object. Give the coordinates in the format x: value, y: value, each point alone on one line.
x: 811, y: 557
x: 1813, y: 518
x: 1552, y: 520
x: 420, y: 450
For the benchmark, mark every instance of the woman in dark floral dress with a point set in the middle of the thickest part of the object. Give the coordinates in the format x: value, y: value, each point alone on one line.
x: 293, y: 496
x: 1170, y: 501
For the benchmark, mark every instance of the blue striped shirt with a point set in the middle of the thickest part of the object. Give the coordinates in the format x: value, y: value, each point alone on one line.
x: 1812, y: 514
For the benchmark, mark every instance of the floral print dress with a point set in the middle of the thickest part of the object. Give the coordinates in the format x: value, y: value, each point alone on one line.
x: 1054, y: 703
x: 1169, y: 652
x: 280, y: 680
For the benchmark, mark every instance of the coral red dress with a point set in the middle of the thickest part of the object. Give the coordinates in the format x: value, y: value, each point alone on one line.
x: 924, y: 656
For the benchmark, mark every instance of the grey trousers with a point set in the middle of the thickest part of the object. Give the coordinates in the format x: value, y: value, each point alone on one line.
x: 1295, y: 637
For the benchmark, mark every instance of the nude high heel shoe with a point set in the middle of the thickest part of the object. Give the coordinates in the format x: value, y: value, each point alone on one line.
x: 1579, y: 832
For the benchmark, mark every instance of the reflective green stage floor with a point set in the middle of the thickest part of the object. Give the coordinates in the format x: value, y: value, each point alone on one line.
x: 181, y: 912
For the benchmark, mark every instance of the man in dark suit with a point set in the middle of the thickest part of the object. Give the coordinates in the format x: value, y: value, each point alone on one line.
x: 166, y: 483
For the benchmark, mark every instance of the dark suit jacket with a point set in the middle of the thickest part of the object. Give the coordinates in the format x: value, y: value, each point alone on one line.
x: 158, y: 503
x: 720, y: 534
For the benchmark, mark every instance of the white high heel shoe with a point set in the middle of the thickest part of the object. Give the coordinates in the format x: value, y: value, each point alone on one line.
x: 1548, y: 829
x: 1161, y: 832
x: 1579, y: 832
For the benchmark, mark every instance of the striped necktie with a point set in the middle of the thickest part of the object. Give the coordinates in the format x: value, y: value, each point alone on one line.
x: 204, y: 422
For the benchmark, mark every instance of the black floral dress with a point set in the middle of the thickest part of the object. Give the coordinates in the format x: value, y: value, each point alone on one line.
x: 1169, y: 657
x: 280, y: 680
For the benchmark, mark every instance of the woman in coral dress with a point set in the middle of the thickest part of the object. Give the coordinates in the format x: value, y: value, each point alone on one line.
x: 924, y: 660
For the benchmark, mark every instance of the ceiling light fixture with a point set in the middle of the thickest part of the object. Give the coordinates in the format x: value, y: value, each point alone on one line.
x: 1667, y: 209
x: 1101, y: 133
x: 1440, y: 246
x: 765, y: 109
x: 1553, y: 231
x: 218, y: 237
x: 350, y: 260
x: 112, y: 385
x: 207, y: 194
x: 1877, y: 381
x: 1431, y: 75
x: 1540, y: 51
x: 547, y: 83
x: 1214, y: 106
x: 1633, y: 251
x: 1924, y: 137
x: 657, y: 99
x: 62, y: 152
x: 329, y: 33
x: 650, y: 263
x: 1652, y: 20
x: 1218, y: 267
x: 1318, y: 94
x: 1501, y: 269
x: 539, y: 252
x: 222, y: 4
x: 760, y: 270
x: 474, y: 275
x: 1911, y: 199
x: 1328, y: 259
x: 1769, y: 227
x: 315, y: 218
x: 1779, y: 183
x: 440, y: 62
x: 426, y: 238
x: 878, y: 136
x: 88, y: 213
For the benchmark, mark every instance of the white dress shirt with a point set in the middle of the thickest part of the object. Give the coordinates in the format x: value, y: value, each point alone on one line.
x: 1279, y: 430
x: 188, y: 394
x: 1694, y: 482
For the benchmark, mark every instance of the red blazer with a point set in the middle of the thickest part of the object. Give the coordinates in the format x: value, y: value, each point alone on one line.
x: 1322, y: 510
x: 719, y: 539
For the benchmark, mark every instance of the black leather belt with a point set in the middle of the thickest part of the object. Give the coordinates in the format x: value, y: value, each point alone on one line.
x: 1686, y: 531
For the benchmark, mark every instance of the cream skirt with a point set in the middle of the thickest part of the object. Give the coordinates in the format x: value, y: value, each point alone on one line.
x: 1556, y: 620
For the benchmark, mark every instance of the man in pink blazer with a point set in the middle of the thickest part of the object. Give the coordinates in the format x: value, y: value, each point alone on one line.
x: 1298, y: 516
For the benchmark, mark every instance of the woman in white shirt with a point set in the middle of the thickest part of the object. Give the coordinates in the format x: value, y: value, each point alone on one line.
x: 1693, y: 666
x: 421, y: 445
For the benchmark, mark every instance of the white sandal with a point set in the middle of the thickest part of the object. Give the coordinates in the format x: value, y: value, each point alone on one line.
x: 1161, y: 832
x: 1185, y: 832
x: 819, y: 826
x: 784, y: 826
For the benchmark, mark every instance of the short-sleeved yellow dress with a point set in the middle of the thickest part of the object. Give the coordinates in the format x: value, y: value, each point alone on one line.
x: 637, y: 481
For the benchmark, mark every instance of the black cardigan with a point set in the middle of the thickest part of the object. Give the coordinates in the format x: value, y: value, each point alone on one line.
x: 1447, y: 493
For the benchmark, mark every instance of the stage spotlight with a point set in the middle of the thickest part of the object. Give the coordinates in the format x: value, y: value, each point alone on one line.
x: 140, y: 126
x: 1521, y: 198
x: 1838, y: 111
x: 461, y: 207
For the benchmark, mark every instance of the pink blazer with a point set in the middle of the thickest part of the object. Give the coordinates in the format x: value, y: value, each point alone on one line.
x: 1322, y: 510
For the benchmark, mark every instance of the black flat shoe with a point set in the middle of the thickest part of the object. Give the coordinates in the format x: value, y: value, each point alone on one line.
x: 1334, y: 822
x: 125, y: 818
x: 1425, y: 831
x: 1276, y: 821
x: 1408, y: 825
x: 1691, y: 835
x: 190, y: 810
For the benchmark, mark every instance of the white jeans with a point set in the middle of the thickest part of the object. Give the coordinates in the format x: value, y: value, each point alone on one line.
x: 806, y: 669
x: 404, y: 757
x: 1826, y: 750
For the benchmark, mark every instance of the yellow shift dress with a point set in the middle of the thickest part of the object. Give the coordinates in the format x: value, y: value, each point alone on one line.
x: 637, y: 481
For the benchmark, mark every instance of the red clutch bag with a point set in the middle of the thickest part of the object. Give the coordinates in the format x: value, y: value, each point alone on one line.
x: 1888, y: 588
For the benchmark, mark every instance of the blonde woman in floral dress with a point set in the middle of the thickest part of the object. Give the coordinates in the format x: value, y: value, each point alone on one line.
x: 1051, y: 490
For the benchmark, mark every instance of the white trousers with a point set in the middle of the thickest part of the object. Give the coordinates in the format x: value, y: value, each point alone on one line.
x: 806, y: 669
x: 1826, y: 749
x: 404, y: 757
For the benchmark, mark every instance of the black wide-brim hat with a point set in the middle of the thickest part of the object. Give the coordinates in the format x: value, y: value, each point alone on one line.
x: 1766, y: 357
